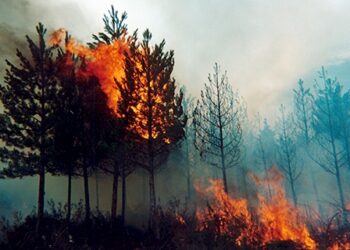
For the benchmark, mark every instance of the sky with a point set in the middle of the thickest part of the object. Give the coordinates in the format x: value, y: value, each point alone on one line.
x: 265, y: 46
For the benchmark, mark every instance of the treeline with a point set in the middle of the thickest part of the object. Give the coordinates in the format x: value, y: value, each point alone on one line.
x: 60, y: 117
x: 57, y: 119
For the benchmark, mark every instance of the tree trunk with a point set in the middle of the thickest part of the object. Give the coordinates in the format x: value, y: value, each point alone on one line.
x: 188, y: 172
x: 87, y: 195
x: 114, y: 196
x: 224, y: 178
x: 292, y: 186
x: 152, y: 199
x: 97, y: 192
x: 340, y: 190
x: 318, y: 201
x: 69, y: 195
x: 188, y: 182
x: 41, y: 198
x: 123, y: 195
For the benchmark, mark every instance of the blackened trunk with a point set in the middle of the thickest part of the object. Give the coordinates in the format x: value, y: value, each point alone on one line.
x: 41, y: 198
x: 224, y: 178
x: 69, y: 195
x: 97, y: 192
x: 87, y: 195
x: 114, y: 196
x: 152, y: 198
x: 123, y: 196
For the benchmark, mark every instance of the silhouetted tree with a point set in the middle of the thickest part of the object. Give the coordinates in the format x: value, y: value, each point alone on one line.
x: 218, y: 127
x: 27, y: 121
x: 97, y: 121
x: 286, y: 145
x: 116, y: 29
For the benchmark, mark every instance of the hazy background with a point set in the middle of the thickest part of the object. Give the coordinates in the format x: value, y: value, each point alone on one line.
x: 265, y: 46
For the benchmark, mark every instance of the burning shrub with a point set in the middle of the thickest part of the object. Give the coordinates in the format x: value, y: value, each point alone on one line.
x: 273, y: 222
x: 225, y: 218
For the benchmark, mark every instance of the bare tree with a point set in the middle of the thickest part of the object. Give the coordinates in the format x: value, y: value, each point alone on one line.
x: 287, y: 151
x: 218, y: 126
x: 266, y: 148
x: 303, y: 101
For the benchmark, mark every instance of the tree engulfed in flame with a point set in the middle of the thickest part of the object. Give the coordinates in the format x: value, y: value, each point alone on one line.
x: 105, y: 61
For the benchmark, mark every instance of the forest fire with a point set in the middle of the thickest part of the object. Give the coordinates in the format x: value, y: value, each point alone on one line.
x: 111, y: 108
x: 104, y: 61
x: 272, y: 219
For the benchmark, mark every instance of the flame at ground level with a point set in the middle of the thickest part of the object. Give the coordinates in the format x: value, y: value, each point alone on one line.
x: 272, y: 219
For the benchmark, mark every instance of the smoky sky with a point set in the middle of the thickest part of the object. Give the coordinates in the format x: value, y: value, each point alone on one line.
x: 265, y: 46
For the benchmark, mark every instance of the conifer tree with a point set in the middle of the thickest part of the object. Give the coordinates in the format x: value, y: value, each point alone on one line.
x: 218, y: 126
x: 29, y: 98
x: 154, y: 110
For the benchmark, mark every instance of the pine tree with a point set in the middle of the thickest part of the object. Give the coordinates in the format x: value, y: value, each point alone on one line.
x: 29, y: 97
x: 287, y: 151
x: 68, y: 123
x: 115, y: 29
x: 218, y: 127
x: 266, y: 149
x: 303, y: 101
x: 328, y: 130
x: 154, y: 110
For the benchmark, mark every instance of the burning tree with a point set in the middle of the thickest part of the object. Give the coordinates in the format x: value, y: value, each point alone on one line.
x: 29, y: 97
x: 217, y: 122
x: 154, y: 110
x: 115, y: 33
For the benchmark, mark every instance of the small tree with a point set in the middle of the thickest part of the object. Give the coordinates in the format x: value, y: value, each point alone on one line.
x: 27, y: 121
x: 287, y: 152
x: 266, y: 148
x: 68, y: 124
x: 303, y: 102
x: 218, y: 127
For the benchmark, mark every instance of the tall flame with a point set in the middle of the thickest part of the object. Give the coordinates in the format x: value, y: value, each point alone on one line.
x: 105, y: 61
x: 277, y: 219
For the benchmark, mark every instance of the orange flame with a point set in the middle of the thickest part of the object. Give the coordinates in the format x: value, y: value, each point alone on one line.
x: 57, y: 36
x: 277, y: 219
x: 227, y: 213
x: 105, y: 61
